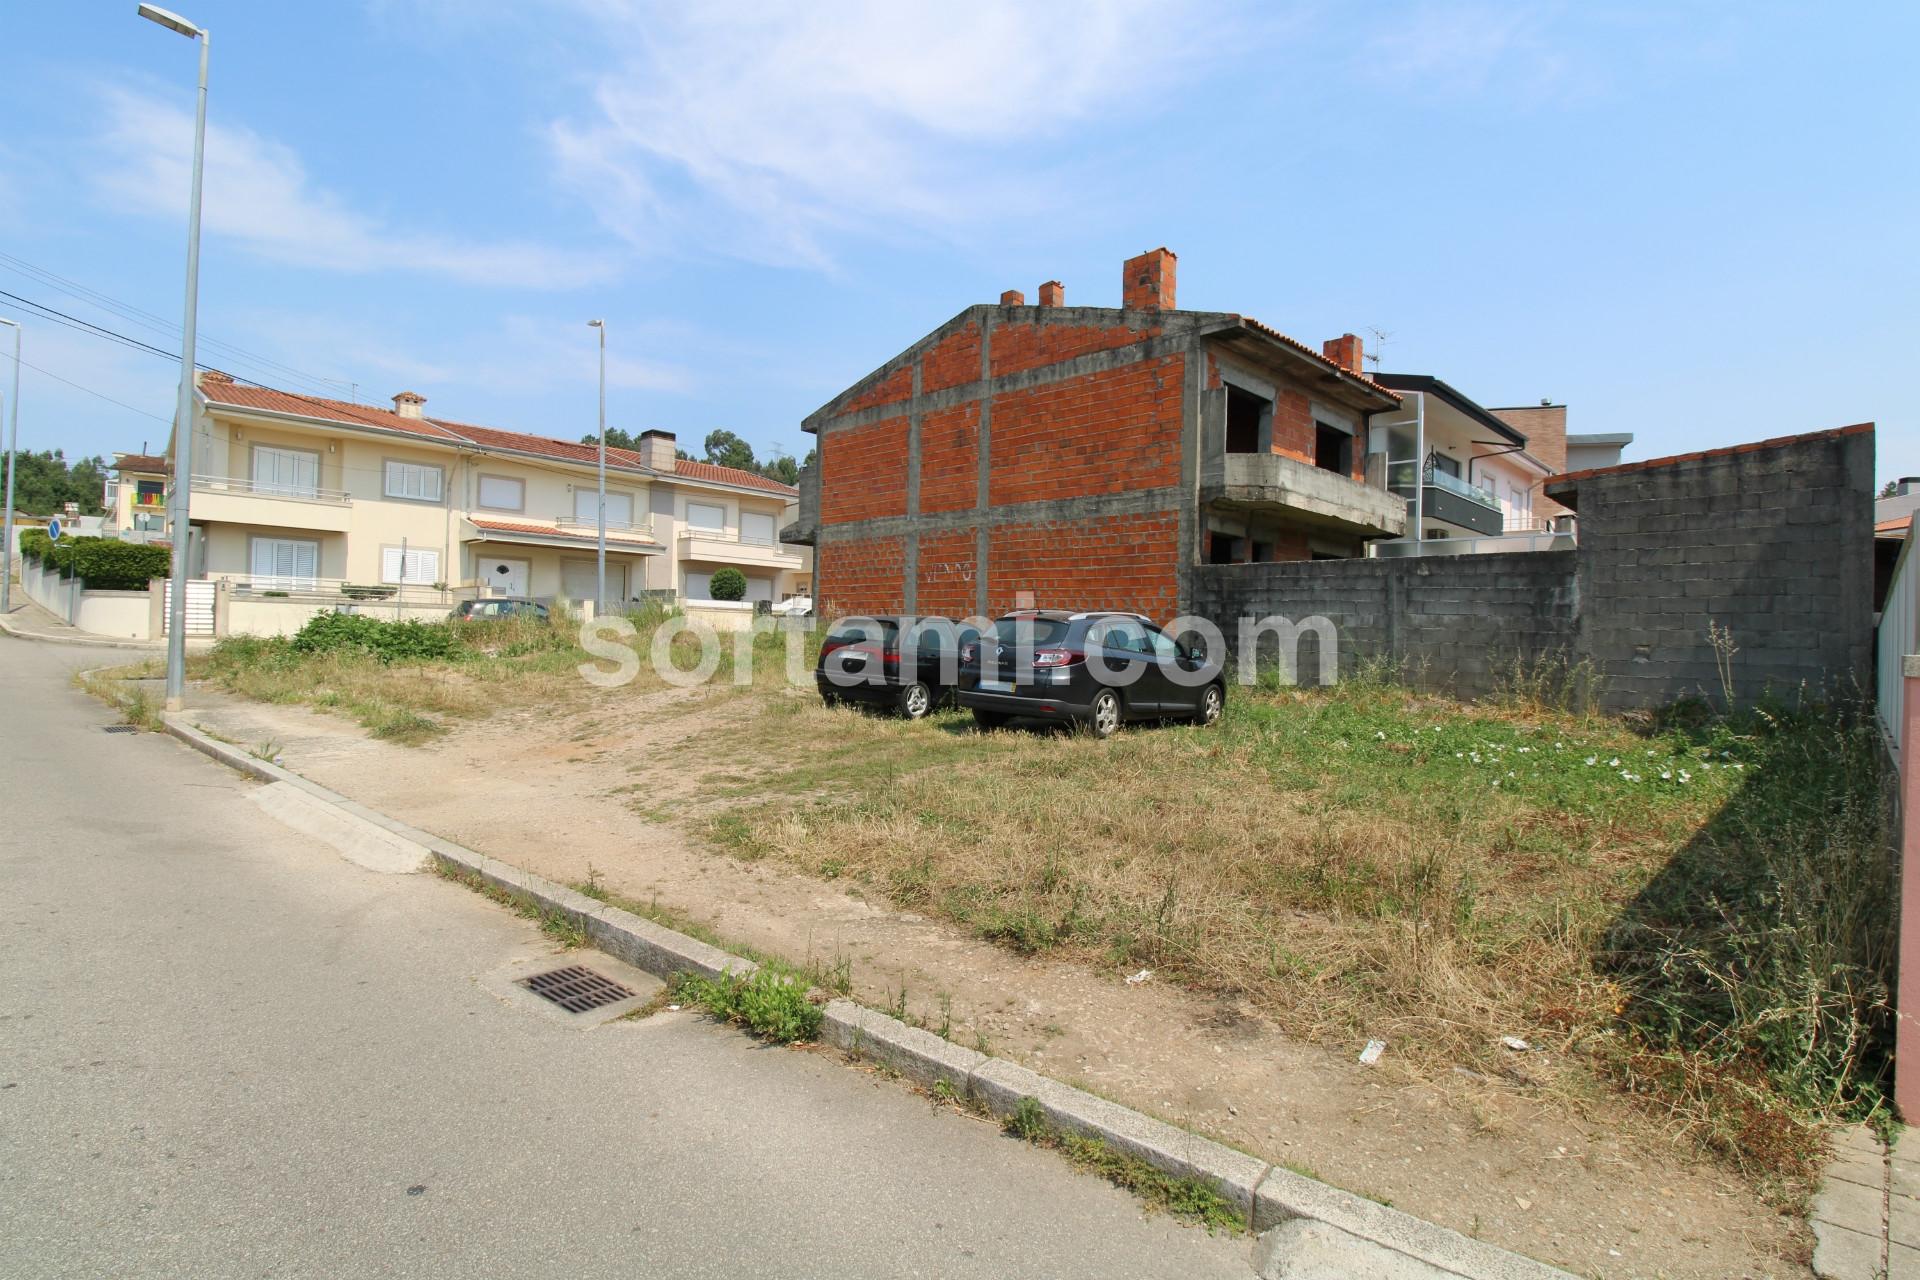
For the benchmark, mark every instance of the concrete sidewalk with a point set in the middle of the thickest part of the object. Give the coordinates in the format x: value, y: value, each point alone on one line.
x: 1866, y: 1216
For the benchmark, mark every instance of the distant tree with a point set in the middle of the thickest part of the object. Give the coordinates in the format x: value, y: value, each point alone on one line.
x: 44, y: 483
x: 1888, y: 489
x: 726, y: 449
x: 616, y: 439
x: 783, y: 468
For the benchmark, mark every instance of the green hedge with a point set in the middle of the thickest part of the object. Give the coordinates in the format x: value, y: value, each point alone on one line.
x: 727, y: 584
x: 103, y: 564
x: 387, y: 641
x: 108, y: 564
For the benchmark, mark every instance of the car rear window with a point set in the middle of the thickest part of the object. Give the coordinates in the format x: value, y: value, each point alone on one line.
x: 864, y: 631
x: 1042, y: 631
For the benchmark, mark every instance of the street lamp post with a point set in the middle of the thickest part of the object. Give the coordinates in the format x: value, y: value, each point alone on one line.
x: 600, y: 547
x: 13, y: 441
x: 177, y: 502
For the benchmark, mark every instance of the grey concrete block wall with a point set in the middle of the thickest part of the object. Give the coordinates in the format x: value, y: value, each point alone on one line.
x: 1453, y: 624
x: 1772, y: 542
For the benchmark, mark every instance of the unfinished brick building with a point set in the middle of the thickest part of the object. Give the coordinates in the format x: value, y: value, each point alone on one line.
x: 1090, y: 456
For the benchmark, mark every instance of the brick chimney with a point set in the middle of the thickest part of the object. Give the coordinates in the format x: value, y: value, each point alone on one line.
x: 656, y: 449
x: 1345, y: 351
x: 1053, y: 294
x: 1146, y: 282
x: 407, y: 404
x: 1013, y: 298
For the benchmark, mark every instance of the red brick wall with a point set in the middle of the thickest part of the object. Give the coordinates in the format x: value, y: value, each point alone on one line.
x: 947, y: 573
x: 1292, y: 424
x: 861, y: 577
x: 1108, y: 432
x: 953, y: 360
x: 1115, y: 562
x: 1028, y: 346
x: 896, y: 386
x: 863, y: 472
x: 950, y: 458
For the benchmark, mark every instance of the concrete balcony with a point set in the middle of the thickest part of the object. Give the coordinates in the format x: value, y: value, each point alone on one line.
x: 1276, y: 484
x: 219, y: 500
x: 727, y: 548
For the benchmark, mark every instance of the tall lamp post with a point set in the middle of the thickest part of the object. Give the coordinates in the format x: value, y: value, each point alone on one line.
x: 13, y: 441
x: 181, y: 533
x: 600, y: 547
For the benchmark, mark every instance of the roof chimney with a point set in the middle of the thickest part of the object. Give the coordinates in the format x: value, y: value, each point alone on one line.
x: 657, y: 449
x: 1345, y: 351
x: 1013, y: 298
x: 1146, y: 282
x: 407, y: 404
x: 1053, y: 294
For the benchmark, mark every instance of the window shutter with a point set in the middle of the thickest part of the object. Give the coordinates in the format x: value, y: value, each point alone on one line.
x: 391, y: 561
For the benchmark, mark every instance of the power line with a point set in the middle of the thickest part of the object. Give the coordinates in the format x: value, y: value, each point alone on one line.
x: 90, y: 391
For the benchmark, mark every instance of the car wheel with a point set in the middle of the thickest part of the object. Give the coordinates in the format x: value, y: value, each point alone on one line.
x: 989, y: 720
x: 1103, y: 718
x: 915, y: 701
x: 1212, y: 702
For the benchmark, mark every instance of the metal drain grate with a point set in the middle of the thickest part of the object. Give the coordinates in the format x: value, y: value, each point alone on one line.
x: 576, y: 988
x: 119, y: 728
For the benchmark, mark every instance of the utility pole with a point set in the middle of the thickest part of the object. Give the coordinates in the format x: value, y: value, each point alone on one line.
x: 177, y: 505
x: 13, y: 441
x: 600, y: 547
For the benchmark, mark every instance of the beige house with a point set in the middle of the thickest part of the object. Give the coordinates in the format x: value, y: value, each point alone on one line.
x: 136, y: 496
x: 296, y: 496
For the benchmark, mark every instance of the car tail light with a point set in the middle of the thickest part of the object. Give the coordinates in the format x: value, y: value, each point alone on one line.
x: 1054, y: 657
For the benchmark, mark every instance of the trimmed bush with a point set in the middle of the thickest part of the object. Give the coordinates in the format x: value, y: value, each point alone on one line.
x: 727, y: 584
x: 407, y: 641
x: 107, y: 564
x: 35, y: 545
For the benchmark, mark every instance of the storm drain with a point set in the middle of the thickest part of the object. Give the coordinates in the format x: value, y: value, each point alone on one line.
x: 576, y: 988
x: 119, y: 728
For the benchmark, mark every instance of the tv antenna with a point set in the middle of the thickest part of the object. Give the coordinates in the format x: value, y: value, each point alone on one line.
x: 1380, y: 337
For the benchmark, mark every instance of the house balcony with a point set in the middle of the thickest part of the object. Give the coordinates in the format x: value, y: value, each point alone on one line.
x: 727, y: 547
x: 224, y: 500
x: 1451, y: 501
x: 1274, y: 484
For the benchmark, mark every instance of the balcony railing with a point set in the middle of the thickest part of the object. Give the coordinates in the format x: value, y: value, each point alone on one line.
x: 295, y: 586
x: 269, y: 489
x: 729, y: 535
x: 591, y: 524
x: 1400, y: 480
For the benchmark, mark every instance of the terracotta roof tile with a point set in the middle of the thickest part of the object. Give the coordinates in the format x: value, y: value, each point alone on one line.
x: 449, y: 431
x: 149, y: 462
x: 1896, y: 525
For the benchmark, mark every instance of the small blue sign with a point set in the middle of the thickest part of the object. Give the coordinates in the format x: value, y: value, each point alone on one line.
x: 53, y: 528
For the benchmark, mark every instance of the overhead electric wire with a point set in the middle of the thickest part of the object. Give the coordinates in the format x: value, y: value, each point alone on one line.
x: 28, y: 364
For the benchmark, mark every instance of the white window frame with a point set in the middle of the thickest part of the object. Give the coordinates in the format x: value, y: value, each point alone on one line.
x: 407, y: 470
x: 693, y: 506
x: 410, y: 566
x: 773, y: 528
x: 520, y: 487
x: 294, y: 488
x: 273, y: 580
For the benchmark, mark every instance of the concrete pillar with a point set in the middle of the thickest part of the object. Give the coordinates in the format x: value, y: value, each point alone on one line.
x: 222, y: 605
x: 1906, y: 1050
x: 157, y: 609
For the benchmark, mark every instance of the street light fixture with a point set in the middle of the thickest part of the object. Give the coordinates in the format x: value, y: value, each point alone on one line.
x: 180, y: 530
x: 13, y: 440
x: 600, y: 548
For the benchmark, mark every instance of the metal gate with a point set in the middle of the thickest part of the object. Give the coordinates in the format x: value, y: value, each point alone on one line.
x: 199, y: 608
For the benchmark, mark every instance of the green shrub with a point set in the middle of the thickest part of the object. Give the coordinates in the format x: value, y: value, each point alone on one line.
x: 727, y: 584
x: 407, y: 641
x: 107, y: 564
x: 35, y: 545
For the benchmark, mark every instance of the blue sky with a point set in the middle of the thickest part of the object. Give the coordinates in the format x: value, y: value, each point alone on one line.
x: 1693, y: 222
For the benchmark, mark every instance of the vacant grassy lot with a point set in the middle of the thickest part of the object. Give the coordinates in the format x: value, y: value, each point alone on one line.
x: 1700, y: 912
x: 1697, y: 909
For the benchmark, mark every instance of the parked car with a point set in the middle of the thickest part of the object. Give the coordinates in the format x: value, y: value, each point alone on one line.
x: 1093, y: 669
x: 906, y: 664
x: 794, y: 607
x: 498, y: 607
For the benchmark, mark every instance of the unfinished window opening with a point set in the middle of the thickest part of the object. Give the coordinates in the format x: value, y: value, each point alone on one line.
x: 1249, y: 421
x: 1332, y: 449
x: 1223, y: 548
x: 1260, y: 552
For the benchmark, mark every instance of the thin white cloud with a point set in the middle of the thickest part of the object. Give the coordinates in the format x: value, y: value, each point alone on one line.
x: 258, y: 193
x: 761, y: 129
x: 1445, y: 49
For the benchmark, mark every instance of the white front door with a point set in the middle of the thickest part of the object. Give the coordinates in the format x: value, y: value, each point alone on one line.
x: 505, y: 577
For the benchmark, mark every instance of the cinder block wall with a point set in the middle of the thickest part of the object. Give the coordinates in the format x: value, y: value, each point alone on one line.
x: 1772, y: 541
x: 1452, y: 624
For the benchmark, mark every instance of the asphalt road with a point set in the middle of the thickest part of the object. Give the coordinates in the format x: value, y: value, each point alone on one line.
x: 225, y: 1051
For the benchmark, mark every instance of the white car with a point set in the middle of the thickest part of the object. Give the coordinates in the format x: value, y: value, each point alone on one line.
x: 794, y: 607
